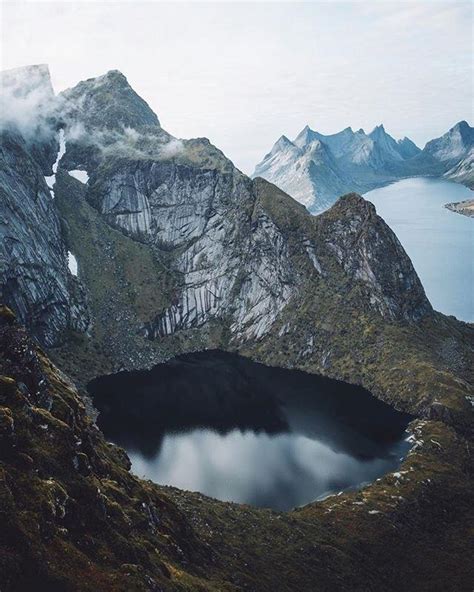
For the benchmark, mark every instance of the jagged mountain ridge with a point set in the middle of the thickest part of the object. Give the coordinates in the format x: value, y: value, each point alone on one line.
x: 361, y: 162
x: 193, y: 208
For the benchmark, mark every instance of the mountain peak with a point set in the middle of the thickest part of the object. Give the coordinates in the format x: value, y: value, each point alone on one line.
x: 305, y: 136
x: 113, y: 77
x: 452, y: 145
x: 466, y: 132
x: 463, y: 124
x: 27, y: 102
x: 281, y: 144
x: 378, y: 131
x: 407, y: 148
x: 32, y: 69
x: 108, y: 101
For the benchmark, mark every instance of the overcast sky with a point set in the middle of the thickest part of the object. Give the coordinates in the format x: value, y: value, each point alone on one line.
x: 242, y: 74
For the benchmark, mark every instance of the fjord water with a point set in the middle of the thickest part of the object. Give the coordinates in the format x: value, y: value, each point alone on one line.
x: 239, y: 431
x: 439, y: 242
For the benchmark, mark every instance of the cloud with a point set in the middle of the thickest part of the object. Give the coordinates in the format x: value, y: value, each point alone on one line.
x: 27, y: 101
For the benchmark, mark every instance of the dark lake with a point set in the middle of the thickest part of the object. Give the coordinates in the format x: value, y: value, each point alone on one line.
x: 240, y: 431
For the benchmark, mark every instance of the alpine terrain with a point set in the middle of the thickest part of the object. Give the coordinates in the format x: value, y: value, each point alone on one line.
x: 122, y: 246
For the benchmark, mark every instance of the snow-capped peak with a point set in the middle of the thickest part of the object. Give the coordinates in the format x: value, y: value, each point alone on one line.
x: 282, y: 143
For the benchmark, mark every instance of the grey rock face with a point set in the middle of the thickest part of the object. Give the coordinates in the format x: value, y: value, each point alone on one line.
x: 240, y: 251
x: 231, y: 258
x: 107, y: 102
x: 370, y: 252
x: 34, y: 276
x: 28, y: 107
x: 454, y: 145
x: 463, y: 171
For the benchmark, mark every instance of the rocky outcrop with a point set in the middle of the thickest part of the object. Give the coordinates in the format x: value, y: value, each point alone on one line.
x: 28, y: 108
x: 370, y: 252
x: 451, y: 147
x: 34, y: 276
x: 231, y: 258
x: 463, y: 171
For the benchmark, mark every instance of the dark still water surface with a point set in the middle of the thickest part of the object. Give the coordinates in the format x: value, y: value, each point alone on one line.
x: 239, y: 431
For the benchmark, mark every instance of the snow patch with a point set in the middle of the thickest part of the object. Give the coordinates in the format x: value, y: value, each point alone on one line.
x: 81, y: 176
x: 72, y: 263
x: 51, y: 180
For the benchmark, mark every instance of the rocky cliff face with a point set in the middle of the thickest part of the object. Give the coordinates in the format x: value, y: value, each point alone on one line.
x: 34, y: 275
x: 371, y: 253
x: 463, y: 171
x: 188, y: 203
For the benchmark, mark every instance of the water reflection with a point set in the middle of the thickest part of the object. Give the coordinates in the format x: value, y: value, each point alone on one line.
x: 236, y: 430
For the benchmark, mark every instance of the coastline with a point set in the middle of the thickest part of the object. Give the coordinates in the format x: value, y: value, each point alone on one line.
x: 466, y: 207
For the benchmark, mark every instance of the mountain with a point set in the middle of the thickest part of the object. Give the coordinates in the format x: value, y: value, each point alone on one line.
x: 178, y: 251
x: 295, y: 165
x: 346, y: 161
x: 452, y: 146
x: 463, y: 171
x: 407, y: 148
x: 356, y: 161
x: 34, y: 275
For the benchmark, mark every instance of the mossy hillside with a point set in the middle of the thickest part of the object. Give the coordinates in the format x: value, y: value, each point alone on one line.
x: 424, y: 368
x: 409, y: 526
x: 126, y: 283
x: 75, y: 519
x: 72, y: 515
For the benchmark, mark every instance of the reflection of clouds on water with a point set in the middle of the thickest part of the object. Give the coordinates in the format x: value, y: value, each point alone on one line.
x: 280, y: 471
x: 233, y: 429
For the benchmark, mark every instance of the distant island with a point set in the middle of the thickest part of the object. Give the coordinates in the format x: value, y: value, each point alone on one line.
x: 465, y: 207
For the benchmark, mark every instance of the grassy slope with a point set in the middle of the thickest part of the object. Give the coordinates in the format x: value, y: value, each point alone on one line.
x: 75, y: 519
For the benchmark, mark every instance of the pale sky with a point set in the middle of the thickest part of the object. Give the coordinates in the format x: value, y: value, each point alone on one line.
x: 242, y: 74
